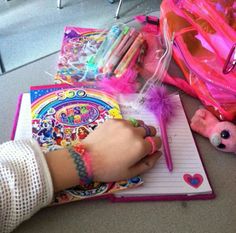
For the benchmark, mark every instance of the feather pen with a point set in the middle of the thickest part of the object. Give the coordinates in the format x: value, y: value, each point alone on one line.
x: 160, y: 103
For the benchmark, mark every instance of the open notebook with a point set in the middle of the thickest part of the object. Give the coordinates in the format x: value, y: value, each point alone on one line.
x: 188, y: 180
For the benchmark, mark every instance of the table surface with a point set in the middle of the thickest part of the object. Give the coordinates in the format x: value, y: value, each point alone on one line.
x: 201, y: 216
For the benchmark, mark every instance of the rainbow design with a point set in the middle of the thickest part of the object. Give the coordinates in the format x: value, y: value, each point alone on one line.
x: 62, y: 115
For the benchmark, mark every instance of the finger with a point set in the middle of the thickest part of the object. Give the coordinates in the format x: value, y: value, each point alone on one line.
x: 146, y: 130
x: 131, y: 122
x: 135, y: 122
x: 144, y: 147
x: 144, y: 165
x: 152, y: 144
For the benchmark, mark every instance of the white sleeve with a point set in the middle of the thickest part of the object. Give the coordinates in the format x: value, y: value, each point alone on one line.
x: 25, y: 182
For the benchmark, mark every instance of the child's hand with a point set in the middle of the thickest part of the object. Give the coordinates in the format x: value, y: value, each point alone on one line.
x: 119, y: 150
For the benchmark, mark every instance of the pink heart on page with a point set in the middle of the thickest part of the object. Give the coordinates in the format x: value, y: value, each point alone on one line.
x: 193, y: 180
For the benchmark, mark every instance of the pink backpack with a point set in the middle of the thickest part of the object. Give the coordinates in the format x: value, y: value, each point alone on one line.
x: 205, y: 50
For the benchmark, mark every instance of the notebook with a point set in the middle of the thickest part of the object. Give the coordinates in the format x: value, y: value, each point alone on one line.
x: 187, y: 181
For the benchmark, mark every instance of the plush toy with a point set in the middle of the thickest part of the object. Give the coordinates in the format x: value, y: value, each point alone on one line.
x: 222, y: 134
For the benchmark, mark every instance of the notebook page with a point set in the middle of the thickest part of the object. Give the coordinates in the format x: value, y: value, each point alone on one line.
x: 24, y: 129
x: 188, y: 175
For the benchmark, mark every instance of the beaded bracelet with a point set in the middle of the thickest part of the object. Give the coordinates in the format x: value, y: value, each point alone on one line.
x: 83, y: 164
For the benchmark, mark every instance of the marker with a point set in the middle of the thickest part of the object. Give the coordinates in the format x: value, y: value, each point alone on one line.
x: 124, y: 63
x: 113, y: 47
x: 120, y: 51
x: 109, y: 40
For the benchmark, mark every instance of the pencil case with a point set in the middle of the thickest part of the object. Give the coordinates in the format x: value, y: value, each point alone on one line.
x: 205, y: 50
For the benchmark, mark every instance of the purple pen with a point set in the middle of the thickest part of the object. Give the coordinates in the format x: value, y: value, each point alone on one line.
x: 165, y: 143
x: 159, y: 102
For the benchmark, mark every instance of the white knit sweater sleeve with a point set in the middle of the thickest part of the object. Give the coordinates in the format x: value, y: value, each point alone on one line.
x: 25, y: 182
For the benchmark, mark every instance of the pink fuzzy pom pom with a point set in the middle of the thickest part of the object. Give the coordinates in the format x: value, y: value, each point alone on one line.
x: 159, y: 102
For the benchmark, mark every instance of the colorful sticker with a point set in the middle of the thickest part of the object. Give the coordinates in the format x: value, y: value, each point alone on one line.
x: 194, y: 181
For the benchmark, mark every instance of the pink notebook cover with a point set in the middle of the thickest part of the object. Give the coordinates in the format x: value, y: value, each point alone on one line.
x: 114, y: 198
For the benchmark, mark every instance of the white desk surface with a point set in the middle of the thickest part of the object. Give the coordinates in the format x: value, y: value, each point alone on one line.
x: 101, y: 216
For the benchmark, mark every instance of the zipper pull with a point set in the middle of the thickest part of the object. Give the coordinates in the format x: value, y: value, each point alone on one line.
x: 230, y: 62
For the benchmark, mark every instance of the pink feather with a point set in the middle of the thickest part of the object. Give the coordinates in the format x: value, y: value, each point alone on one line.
x: 126, y: 84
x: 159, y: 102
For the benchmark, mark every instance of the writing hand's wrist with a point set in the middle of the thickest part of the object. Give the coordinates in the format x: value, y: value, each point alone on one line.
x: 62, y: 169
x: 69, y: 167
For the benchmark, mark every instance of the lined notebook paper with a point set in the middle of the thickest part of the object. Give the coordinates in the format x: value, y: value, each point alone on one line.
x: 188, y: 178
x: 22, y: 126
x: 188, y: 175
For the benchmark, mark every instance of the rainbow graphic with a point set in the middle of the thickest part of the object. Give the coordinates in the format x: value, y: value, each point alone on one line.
x: 62, y: 114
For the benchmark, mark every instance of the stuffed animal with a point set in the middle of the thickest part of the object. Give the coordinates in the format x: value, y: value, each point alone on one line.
x: 222, y: 134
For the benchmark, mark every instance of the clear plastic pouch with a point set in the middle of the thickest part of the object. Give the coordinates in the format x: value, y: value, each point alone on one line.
x: 121, y: 59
